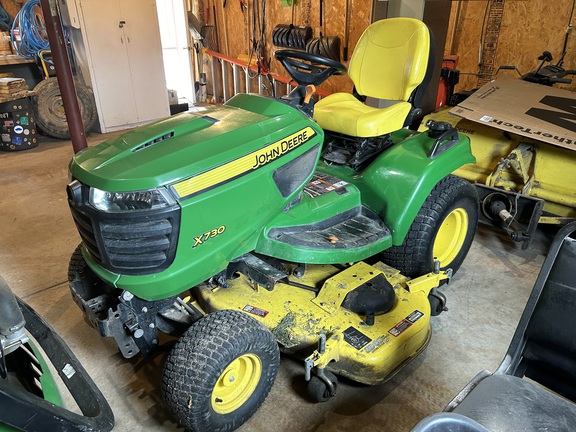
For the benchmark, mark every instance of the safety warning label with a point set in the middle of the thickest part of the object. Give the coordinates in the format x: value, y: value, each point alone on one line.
x: 321, y: 184
x: 255, y: 311
x: 405, y: 323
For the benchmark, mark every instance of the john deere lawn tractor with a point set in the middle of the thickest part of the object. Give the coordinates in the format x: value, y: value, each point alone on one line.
x: 322, y: 230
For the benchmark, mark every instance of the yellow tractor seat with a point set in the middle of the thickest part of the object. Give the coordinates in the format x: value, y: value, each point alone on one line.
x: 390, y: 63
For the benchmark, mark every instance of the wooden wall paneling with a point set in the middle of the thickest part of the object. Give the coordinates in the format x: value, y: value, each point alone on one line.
x: 532, y: 27
x: 466, y: 39
x: 235, y: 35
x: 528, y: 28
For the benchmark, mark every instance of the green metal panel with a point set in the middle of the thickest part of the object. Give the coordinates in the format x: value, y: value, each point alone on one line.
x: 49, y: 387
x: 149, y: 157
x: 395, y: 186
x: 398, y: 182
x: 310, y: 211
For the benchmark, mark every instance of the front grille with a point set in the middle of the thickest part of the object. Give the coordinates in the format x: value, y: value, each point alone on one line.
x: 132, y: 243
x: 84, y: 226
x: 137, y: 244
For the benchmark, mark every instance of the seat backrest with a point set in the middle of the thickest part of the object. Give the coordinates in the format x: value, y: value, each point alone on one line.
x: 544, y: 346
x: 391, y: 59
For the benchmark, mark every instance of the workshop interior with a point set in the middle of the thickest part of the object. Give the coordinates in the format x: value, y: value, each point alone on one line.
x: 288, y: 215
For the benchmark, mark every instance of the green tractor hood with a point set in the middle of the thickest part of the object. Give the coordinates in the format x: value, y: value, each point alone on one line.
x: 183, y: 145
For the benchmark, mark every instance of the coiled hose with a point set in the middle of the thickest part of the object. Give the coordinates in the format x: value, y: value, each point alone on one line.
x: 29, y: 24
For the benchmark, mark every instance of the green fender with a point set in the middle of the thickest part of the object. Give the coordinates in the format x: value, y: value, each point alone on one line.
x: 398, y: 182
x: 48, y: 384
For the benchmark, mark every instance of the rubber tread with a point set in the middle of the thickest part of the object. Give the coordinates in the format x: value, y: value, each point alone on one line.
x: 77, y: 263
x: 354, y: 228
x: 199, y: 358
x: 54, y: 124
x: 414, y: 257
x: 318, y: 390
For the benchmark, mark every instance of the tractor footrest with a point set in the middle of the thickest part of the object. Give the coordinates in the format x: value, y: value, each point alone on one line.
x: 354, y: 228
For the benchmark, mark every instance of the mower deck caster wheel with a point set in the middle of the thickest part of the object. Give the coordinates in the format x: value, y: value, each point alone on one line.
x: 319, y: 389
x: 437, y: 302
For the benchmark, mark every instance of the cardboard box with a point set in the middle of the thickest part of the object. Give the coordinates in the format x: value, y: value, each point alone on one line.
x: 532, y: 110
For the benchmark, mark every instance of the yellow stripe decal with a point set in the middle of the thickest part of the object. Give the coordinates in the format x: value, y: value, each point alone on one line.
x: 243, y: 165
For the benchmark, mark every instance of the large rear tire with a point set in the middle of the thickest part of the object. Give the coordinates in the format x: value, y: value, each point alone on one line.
x: 49, y: 108
x: 443, y: 229
x: 220, y: 371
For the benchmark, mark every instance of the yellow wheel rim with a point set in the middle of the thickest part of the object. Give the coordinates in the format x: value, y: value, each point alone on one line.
x: 451, y: 236
x: 236, y: 384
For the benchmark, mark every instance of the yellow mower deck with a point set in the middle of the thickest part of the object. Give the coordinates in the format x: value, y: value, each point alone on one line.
x: 297, y: 317
x: 516, y: 163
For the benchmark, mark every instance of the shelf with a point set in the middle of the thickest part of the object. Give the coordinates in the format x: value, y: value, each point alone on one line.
x: 13, y: 59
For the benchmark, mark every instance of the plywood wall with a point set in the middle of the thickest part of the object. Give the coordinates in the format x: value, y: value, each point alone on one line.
x: 235, y: 38
x: 528, y: 28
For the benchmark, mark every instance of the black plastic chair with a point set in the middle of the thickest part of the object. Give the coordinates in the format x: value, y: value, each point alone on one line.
x: 534, y: 388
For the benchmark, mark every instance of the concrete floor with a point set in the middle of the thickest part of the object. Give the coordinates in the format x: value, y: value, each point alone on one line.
x: 486, y: 298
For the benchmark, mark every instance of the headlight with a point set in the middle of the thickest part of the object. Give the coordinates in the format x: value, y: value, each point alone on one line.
x: 151, y: 199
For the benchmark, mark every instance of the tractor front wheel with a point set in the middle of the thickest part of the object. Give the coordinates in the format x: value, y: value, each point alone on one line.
x: 220, y: 371
x: 443, y: 230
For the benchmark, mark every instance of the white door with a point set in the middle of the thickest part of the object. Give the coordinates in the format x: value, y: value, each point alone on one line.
x: 144, y: 51
x: 125, y: 57
x: 105, y: 39
x: 176, y: 47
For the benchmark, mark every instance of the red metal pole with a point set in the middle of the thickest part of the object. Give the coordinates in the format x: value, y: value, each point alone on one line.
x: 64, y: 73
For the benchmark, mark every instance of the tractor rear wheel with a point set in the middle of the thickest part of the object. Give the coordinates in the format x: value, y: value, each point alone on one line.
x: 220, y: 371
x: 443, y: 230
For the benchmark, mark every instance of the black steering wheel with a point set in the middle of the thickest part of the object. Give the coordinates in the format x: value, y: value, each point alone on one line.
x: 306, y: 68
